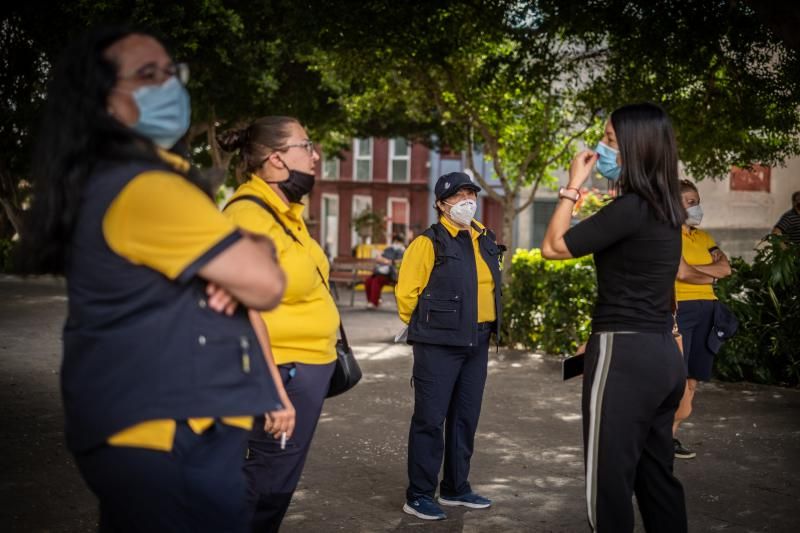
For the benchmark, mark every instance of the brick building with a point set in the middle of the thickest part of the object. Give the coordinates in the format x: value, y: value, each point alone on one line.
x: 386, y: 176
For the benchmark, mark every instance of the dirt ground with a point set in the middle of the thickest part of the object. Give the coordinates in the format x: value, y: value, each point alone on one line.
x: 528, y: 456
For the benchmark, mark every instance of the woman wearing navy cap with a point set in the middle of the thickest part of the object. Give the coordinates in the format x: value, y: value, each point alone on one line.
x: 448, y: 292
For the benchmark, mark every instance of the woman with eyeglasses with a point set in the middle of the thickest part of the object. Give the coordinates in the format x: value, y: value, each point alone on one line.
x: 160, y: 377
x: 279, y: 163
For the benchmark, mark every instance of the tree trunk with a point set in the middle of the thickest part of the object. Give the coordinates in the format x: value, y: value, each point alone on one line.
x: 9, y: 198
x: 507, y: 238
x: 13, y: 214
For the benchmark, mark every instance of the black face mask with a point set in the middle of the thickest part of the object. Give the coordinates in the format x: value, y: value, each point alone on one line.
x: 297, y: 185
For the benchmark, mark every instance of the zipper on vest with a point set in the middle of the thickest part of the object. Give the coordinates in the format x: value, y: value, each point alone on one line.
x: 428, y: 314
x: 245, y: 344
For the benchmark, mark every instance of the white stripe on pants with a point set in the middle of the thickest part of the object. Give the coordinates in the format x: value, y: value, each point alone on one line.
x: 595, y: 415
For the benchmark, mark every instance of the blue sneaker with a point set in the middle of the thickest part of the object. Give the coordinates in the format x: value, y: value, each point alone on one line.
x: 424, y: 507
x: 471, y: 500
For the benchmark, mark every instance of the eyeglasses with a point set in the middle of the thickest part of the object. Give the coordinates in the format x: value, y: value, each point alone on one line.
x: 307, y: 145
x: 153, y: 74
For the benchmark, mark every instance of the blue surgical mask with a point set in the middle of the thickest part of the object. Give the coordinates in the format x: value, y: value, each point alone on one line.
x: 164, y: 112
x: 607, y: 162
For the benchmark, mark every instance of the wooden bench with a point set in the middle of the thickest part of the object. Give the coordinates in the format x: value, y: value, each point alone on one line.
x: 350, y: 272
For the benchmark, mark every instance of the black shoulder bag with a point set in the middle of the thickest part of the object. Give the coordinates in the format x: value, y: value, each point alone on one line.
x: 347, y: 372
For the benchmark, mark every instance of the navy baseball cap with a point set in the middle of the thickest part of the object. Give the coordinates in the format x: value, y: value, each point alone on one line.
x: 449, y: 184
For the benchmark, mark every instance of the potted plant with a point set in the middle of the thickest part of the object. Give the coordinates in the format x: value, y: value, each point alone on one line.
x: 368, y: 225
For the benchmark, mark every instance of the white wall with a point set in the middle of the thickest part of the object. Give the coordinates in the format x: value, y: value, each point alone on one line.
x: 724, y: 208
x: 736, y: 219
x: 739, y: 219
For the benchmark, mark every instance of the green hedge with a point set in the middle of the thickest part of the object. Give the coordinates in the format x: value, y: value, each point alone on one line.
x: 548, y: 304
x: 548, y: 307
x: 765, y: 297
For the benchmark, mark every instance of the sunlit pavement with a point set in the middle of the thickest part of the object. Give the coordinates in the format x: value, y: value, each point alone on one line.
x: 528, y: 454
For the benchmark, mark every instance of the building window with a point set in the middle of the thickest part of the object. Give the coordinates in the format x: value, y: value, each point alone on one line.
x: 360, y: 204
x: 330, y: 224
x: 542, y: 212
x: 756, y: 178
x: 363, y: 160
x: 399, y: 160
x: 398, y: 219
x: 330, y: 168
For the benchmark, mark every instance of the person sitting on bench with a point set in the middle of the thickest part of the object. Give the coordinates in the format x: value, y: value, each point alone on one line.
x: 385, y: 272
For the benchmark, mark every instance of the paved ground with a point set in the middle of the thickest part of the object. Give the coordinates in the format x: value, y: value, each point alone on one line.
x: 528, y: 447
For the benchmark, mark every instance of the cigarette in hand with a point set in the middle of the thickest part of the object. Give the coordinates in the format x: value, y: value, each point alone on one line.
x: 283, y: 440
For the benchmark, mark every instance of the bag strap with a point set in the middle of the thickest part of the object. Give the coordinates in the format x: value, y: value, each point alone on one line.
x: 341, y: 326
x: 674, y: 306
x: 436, y: 236
x: 268, y: 208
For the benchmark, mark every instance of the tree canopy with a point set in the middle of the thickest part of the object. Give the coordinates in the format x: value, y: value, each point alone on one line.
x: 526, y: 81
x: 730, y: 84
x: 522, y: 81
x: 246, y: 60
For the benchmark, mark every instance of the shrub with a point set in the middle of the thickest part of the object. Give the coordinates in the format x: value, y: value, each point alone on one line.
x: 765, y: 297
x: 548, y: 307
x: 7, y: 248
x: 548, y: 304
x: 591, y: 201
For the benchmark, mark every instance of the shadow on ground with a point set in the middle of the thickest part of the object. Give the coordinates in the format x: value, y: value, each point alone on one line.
x: 528, y: 449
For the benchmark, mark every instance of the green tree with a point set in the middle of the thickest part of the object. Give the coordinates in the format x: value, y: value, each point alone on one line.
x: 526, y: 80
x: 523, y: 81
x: 475, y: 75
x: 246, y: 60
x: 730, y: 84
x: 23, y: 69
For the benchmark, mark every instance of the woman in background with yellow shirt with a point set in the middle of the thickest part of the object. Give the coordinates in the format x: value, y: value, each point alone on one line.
x: 702, y: 264
x: 280, y: 161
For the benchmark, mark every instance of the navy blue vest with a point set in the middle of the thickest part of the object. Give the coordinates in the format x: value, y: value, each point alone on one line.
x: 447, y: 309
x: 139, y: 346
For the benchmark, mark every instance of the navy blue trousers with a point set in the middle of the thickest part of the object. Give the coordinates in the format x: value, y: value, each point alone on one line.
x: 695, y: 320
x: 272, y: 473
x: 198, y: 486
x: 448, y: 390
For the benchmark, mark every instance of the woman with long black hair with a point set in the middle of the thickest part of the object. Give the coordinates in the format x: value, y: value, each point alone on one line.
x: 634, y: 374
x: 160, y: 377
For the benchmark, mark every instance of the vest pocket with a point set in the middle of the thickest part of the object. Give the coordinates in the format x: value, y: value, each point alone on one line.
x: 224, y: 360
x: 441, y: 311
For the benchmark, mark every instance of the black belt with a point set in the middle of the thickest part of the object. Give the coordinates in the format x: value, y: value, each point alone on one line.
x: 485, y: 326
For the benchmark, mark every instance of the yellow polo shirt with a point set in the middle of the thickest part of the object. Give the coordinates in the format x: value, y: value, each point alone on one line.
x: 416, y: 272
x: 695, y: 246
x: 302, y: 329
x: 162, y: 221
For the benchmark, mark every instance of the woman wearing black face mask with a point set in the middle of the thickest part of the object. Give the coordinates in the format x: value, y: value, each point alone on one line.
x: 280, y: 161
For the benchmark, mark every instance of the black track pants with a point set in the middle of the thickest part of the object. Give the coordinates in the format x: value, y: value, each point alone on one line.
x: 632, y: 386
